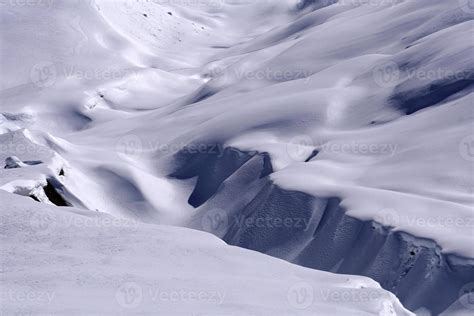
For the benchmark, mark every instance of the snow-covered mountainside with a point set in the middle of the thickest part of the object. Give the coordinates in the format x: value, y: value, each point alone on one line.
x: 336, y: 135
x: 70, y: 262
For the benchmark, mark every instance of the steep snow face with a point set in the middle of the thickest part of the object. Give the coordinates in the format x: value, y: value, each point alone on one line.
x: 328, y: 80
x: 369, y: 102
x: 317, y: 231
x: 71, y: 261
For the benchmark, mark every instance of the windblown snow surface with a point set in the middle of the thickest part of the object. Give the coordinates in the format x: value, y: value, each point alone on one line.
x: 335, y: 135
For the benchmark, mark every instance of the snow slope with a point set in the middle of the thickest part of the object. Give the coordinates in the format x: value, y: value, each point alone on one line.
x: 255, y: 100
x: 368, y: 102
x: 68, y: 261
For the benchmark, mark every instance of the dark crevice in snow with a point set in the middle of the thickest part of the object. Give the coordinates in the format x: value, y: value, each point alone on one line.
x: 14, y: 162
x: 80, y: 121
x: 314, y: 4
x: 316, y: 232
x: 34, y: 198
x: 51, y: 191
x: 412, y: 101
x: 212, y: 165
x: 313, y: 155
x: 267, y: 167
x: 32, y: 162
x: 412, y: 268
x: 202, y: 94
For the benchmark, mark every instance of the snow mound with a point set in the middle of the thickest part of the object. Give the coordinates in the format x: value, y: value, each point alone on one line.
x: 71, y: 261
